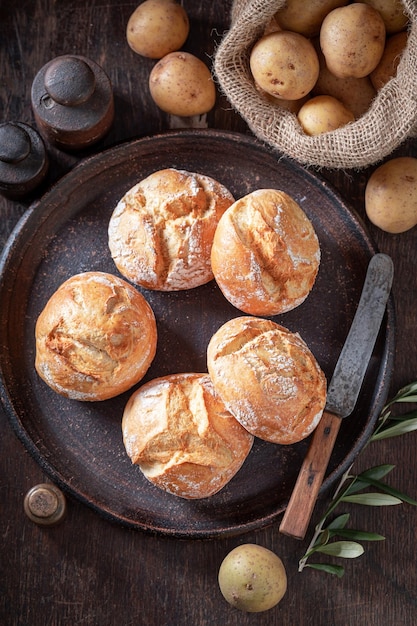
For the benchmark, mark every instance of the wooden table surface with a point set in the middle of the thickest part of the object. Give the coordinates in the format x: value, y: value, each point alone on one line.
x: 92, y: 572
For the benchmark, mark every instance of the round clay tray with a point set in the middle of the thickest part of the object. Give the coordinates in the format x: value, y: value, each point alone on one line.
x: 79, y: 445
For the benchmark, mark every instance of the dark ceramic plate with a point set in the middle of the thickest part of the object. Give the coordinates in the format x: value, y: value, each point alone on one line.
x: 80, y: 444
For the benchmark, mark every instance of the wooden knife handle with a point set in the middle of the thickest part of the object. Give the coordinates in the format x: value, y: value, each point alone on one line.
x: 300, y: 507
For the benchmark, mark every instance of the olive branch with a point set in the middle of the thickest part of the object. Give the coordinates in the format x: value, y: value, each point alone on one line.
x: 354, y: 489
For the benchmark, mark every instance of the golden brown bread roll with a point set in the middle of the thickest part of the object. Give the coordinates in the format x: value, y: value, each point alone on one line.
x: 161, y: 231
x: 265, y: 254
x: 268, y: 379
x: 178, y: 431
x: 95, y: 338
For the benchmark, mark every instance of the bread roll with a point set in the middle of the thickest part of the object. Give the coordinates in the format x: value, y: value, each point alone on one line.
x: 268, y: 379
x: 161, y: 231
x: 95, y: 338
x: 265, y: 254
x: 178, y: 431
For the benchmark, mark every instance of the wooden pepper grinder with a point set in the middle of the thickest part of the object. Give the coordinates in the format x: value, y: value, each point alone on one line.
x: 72, y: 100
x: 23, y: 159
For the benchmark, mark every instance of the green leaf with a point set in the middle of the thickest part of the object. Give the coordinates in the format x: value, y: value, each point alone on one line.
x: 404, y: 392
x: 372, y: 499
x: 355, y: 486
x: 376, y: 473
x: 403, y: 417
x: 401, y: 428
x: 357, y: 535
x: 392, y: 492
x: 367, y: 478
x: 336, y: 570
x: 343, y: 549
x: 339, y: 522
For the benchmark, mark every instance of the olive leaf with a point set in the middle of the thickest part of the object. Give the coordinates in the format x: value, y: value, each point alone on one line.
x: 351, y: 490
x: 339, y: 522
x: 344, y: 549
x: 357, y: 535
x: 390, y: 490
x: 337, y: 570
x: 372, y: 499
x: 401, y: 428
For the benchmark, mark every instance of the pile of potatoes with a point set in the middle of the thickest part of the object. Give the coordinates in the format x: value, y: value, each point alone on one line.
x: 325, y: 60
x: 179, y: 83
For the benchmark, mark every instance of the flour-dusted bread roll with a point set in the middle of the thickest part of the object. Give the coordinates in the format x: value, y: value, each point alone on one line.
x: 268, y: 379
x: 95, y: 338
x: 178, y: 431
x: 161, y: 231
x: 265, y: 254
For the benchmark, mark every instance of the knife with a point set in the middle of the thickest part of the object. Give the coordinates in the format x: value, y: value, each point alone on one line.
x: 342, y: 394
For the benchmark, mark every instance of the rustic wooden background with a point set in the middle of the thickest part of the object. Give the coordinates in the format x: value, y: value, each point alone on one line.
x: 90, y: 572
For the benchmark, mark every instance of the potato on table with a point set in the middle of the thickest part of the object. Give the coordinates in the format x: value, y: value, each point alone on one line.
x: 181, y: 84
x: 391, y: 195
x: 157, y: 27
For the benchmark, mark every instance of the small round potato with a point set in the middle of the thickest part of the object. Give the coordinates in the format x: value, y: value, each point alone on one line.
x: 181, y: 84
x: 323, y: 114
x: 157, y: 27
x: 392, y: 12
x: 352, y: 39
x: 252, y: 578
x: 304, y: 17
x: 285, y: 65
x: 387, y: 67
x: 391, y: 195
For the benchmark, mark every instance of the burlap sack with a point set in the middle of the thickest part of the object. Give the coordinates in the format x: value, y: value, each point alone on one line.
x: 390, y: 120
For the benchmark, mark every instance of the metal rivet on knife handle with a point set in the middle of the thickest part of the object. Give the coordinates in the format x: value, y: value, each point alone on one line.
x: 342, y: 394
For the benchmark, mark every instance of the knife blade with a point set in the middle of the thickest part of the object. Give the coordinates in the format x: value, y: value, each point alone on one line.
x: 342, y: 393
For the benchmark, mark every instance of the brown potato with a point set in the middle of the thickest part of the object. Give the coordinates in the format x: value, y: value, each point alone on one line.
x: 285, y: 65
x: 352, y: 39
x: 181, y: 84
x: 157, y: 27
x: 304, y: 17
x: 323, y: 114
x: 252, y: 578
x: 387, y: 67
x: 392, y: 12
x: 391, y: 195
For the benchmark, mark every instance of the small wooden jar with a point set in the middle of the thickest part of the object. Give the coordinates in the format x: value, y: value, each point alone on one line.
x: 23, y: 159
x: 72, y: 100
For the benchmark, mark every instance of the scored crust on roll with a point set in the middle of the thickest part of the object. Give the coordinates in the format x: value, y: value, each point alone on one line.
x: 265, y: 254
x: 268, y: 379
x: 162, y: 229
x: 179, y: 433
x: 95, y: 338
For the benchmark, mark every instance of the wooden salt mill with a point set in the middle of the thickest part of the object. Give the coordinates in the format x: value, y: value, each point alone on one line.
x: 72, y: 100
x: 23, y: 159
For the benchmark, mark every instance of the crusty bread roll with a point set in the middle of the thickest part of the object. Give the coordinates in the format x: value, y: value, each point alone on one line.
x: 161, y: 231
x: 178, y: 431
x: 268, y: 379
x: 265, y: 254
x: 95, y: 338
